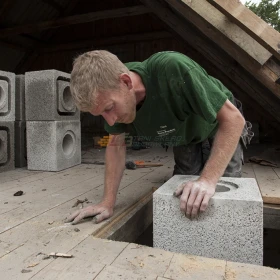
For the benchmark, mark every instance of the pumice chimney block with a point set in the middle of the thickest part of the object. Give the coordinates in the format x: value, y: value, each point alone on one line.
x: 7, y: 96
x: 7, y: 155
x: 230, y: 229
x: 48, y: 97
x: 53, y: 146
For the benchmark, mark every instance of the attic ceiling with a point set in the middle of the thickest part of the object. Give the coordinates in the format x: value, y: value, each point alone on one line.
x: 222, y: 35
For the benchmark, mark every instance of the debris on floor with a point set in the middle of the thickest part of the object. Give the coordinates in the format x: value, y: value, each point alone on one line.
x: 19, y: 193
x: 60, y: 255
x: 79, y: 202
x: 262, y: 161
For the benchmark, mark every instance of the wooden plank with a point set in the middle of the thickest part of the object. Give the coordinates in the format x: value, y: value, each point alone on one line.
x: 248, y: 171
x: 215, y: 25
x: 97, y: 42
x: 60, y: 237
x: 269, y: 183
x: 72, y: 20
x: 267, y: 98
x: 247, y: 20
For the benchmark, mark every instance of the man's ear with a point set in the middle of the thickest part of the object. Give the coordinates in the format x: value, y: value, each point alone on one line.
x: 126, y: 79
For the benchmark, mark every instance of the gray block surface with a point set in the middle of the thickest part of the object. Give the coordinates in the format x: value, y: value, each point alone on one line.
x: 20, y: 98
x: 6, y: 146
x: 48, y: 97
x: 7, y: 96
x: 53, y: 146
x: 231, y: 228
x: 20, y: 144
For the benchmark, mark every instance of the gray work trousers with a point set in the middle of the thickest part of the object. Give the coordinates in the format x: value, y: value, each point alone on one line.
x: 190, y: 159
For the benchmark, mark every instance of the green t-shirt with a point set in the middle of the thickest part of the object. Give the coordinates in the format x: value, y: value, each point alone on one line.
x: 181, y: 102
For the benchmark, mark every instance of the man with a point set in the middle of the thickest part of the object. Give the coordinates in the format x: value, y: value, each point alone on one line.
x: 166, y: 97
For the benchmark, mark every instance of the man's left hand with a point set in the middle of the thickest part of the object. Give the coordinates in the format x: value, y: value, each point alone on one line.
x: 195, y: 196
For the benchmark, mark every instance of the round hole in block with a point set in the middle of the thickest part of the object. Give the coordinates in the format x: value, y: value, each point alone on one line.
x: 68, y: 102
x: 68, y: 144
x: 2, y: 98
x: 222, y: 188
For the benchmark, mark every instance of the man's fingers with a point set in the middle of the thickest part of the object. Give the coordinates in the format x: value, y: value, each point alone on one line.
x: 184, y: 199
x: 179, y: 190
x: 100, y: 217
x: 72, y: 217
x: 204, y: 203
x: 190, y: 203
x: 197, y: 204
x: 84, y: 214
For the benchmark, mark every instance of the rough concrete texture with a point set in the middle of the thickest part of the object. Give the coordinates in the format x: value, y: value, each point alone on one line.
x: 241, y: 271
x: 7, y: 161
x: 20, y: 98
x: 7, y: 96
x: 231, y: 228
x: 53, y: 146
x: 187, y: 267
x: 20, y: 144
x: 48, y: 98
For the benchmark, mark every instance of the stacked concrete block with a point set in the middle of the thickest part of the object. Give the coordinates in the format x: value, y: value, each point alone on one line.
x: 48, y: 97
x: 53, y: 146
x: 231, y: 228
x: 53, y: 122
x: 7, y: 119
x: 20, y: 123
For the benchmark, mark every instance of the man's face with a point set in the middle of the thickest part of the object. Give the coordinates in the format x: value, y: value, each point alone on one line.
x: 116, y: 106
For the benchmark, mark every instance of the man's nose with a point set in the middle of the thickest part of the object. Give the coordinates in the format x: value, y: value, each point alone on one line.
x: 110, y: 118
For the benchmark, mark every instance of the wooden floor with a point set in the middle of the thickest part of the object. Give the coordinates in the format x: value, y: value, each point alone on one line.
x: 32, y: 226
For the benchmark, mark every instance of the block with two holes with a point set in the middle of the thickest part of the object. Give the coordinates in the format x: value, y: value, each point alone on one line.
x: 48, y: 97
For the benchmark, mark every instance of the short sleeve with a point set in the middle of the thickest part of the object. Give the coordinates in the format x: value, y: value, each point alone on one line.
x: 117, y: 128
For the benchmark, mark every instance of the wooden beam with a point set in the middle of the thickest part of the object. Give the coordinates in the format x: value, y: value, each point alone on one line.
x: 96, y: 42
x: 261, y: 31
x: 72, y: 20
x: 54, y: 5
x: 193, y: 13
x: 212, y: 23
x: 249, y: 82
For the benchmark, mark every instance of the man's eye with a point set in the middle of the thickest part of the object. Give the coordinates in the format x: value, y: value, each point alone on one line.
x: 108, y: 110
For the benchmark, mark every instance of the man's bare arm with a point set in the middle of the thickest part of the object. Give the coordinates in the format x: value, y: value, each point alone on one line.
x: 196, y: 195
x: 115, y: 164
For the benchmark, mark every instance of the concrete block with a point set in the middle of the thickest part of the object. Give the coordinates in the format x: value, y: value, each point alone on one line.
x: 231, y: 228
x: 7, y: 96
x: 48, y: 97
x: 20, y: 144
x: 20, y: 98
x: 7, y: 161
x: 53, y: 146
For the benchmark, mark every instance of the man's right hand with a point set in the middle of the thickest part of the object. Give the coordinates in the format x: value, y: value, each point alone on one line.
x: 101, y: 212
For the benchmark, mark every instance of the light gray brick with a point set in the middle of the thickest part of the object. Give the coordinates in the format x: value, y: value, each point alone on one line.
x: 53, y: 146
x: 7, y: 96
x: 231, y: 228
x: 7, y: 161
x: 48, y: 97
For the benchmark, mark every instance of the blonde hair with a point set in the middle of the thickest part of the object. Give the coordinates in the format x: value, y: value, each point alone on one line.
x: 92, y: 73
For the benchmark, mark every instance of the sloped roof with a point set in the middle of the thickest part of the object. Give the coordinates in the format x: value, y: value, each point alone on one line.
x: 233, y: 41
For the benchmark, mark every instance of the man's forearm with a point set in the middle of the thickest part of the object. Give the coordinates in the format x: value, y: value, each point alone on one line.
x: 115, y: 164
x: 224, y: 146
